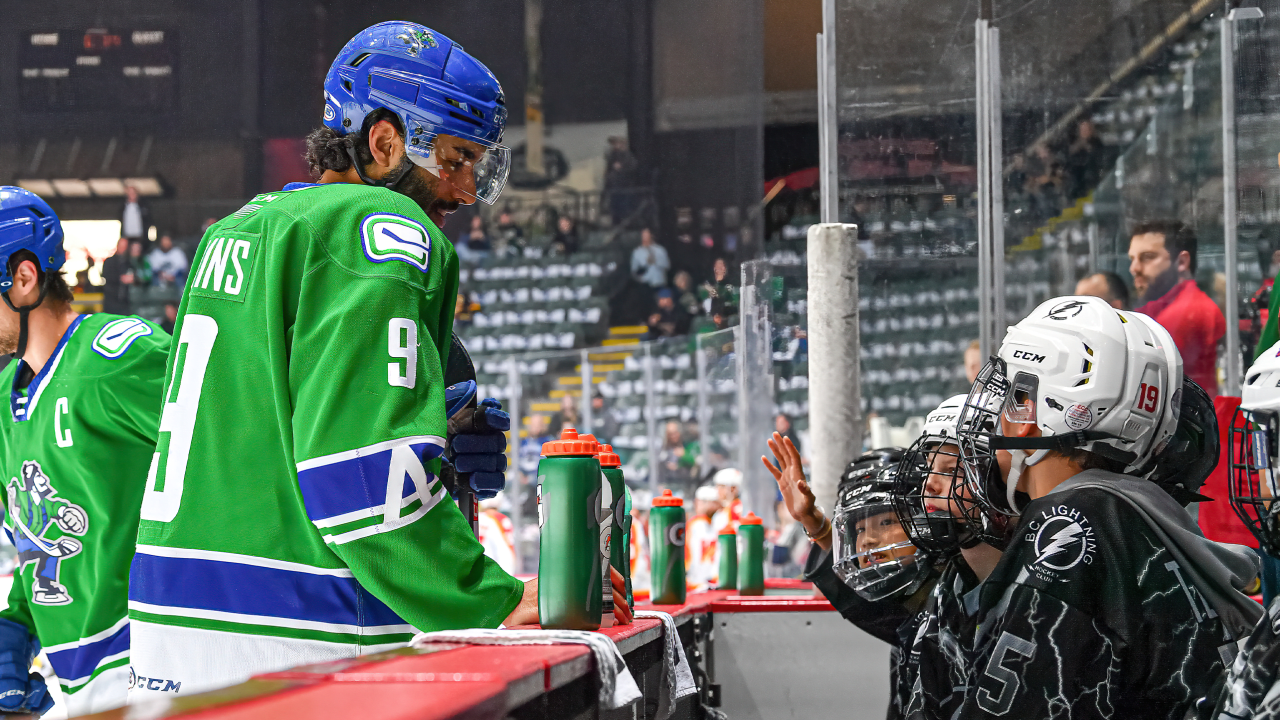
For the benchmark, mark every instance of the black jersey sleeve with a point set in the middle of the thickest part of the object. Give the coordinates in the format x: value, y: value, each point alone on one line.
x: 1252, y: 686
x: 881, y: 620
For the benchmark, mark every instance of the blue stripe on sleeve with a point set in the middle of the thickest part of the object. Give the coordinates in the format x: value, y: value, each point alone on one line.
x: 358, y: 483
x: 79, y: 662
x: 252, y: 590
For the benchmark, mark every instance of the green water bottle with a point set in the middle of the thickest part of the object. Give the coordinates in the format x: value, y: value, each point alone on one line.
x: 626, y: 553
x: 751, y: 555
x: 569, y: 571
x: 666, y: 549
x: 728, y: 540
x: 604, y: 516
x: 619, y: 542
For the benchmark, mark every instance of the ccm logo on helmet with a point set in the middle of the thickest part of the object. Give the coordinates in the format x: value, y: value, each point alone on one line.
x: 1028, y: 356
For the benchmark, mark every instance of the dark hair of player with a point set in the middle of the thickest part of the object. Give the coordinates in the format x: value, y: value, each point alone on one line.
x: 327, y: 150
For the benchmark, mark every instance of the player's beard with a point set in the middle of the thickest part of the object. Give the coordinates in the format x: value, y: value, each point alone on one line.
x: 420, y: 186
x: 8, y: 337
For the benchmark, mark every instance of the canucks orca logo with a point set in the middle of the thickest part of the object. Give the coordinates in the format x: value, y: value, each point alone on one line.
x: 35, y: 510
x: 388, y: 237
x: 1062, y: 539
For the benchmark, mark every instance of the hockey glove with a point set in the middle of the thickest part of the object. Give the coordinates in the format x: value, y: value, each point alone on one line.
x: 477, y: 439
x: 21, y: 691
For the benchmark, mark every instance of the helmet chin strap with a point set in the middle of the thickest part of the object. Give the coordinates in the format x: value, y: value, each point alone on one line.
x: 23, y: 312
x: 391, y: 180
x: 1017, y: 466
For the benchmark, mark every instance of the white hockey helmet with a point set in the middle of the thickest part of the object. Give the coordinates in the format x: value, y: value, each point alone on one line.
x: 941, y: 422
x: 728, y: 476
x: 1254, y: 451
x: 1089, y: 376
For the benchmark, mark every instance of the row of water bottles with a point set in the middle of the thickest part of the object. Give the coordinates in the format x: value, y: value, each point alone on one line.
x: 584, y: 518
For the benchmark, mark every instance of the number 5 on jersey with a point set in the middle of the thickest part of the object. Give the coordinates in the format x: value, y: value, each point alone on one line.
x: 163, y: 493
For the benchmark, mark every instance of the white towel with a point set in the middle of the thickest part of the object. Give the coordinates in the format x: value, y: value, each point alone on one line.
x: 617, y: 686
x: 677, y: 677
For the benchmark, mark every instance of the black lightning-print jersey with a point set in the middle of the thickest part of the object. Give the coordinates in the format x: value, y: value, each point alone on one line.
x: 1088, y: 615
x: 886, y: 620
x: 1252, y: 687
x: 933, y: 665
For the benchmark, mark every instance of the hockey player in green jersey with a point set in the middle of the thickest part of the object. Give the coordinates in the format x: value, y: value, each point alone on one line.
x: 294, y: 512
x: 84, y: 409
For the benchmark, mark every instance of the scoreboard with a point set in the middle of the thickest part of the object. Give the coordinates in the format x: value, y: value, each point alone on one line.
x: 98, y: 69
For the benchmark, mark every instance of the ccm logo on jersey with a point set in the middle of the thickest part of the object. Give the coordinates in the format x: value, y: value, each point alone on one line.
x: 388, y: 237
x: 225, y: 267
x: 157, y: 684
x: 1028, y: 356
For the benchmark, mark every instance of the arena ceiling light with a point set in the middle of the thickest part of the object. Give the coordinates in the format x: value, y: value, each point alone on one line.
x: 93, y: 187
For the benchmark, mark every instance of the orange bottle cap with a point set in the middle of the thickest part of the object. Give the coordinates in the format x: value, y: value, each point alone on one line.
x: 751, y: 519
x: 608, y: 458
x: 728, y: 530
x: 667, y: 500
x: 570, y: 444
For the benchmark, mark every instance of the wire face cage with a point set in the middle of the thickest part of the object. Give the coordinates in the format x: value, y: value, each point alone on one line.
x: 1252, y: 450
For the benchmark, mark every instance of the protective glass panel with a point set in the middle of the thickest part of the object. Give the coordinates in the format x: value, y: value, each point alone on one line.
x: 1111, y: 119
x: 907, y: 173
x: 1257, y: 172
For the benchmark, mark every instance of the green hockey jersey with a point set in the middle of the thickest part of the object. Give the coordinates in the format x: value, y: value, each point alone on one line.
x: 293, y: 512
x: 75, y: 451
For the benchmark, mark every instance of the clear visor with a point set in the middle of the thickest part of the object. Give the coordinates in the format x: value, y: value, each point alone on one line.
x: 476, y: 170
x: 893, y: 570
x: 869, y: 545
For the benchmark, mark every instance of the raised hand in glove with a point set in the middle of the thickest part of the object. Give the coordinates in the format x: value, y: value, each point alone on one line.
x: 477, y: 439
x: 21, y: 691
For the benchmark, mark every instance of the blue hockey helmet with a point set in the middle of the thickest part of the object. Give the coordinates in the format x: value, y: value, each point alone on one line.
x: 28, y: 223
x: 436, y: 89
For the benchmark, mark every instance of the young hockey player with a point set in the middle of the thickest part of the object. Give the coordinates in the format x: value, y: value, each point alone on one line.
x: 860, y: 559
x: 294, y: 512
x: 925, y: 622
x: 1251, y: 689
x: 84, y: 410
x: 1108, y: 601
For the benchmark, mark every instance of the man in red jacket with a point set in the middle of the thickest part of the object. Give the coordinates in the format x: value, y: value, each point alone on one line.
x: 1162, y: 260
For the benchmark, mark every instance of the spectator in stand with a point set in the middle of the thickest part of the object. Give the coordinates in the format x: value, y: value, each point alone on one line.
x: 565, y: 242
x: 169, y: 264
x: 464, y: 312
x: 603, y: 424
x: 1106, y: 285
x: 1045, y: 182
x: 720, y: 288
x: 1162, y: 260
x: 474, y: 245
x: 649, y: 261
x: 142, y: 272
x: 783, y: 425
x: 973, y: 362
x: 135, y: 216
x: 170, y: 317
x: 117, y: 276
x: 620, y: 179
x: 567, y: 416
x: 1086, y: 158
x: 686, y: 298
x: 509, y: 239
x: 675, y: 458
x: 668, y: 320
x: 530, y: 449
